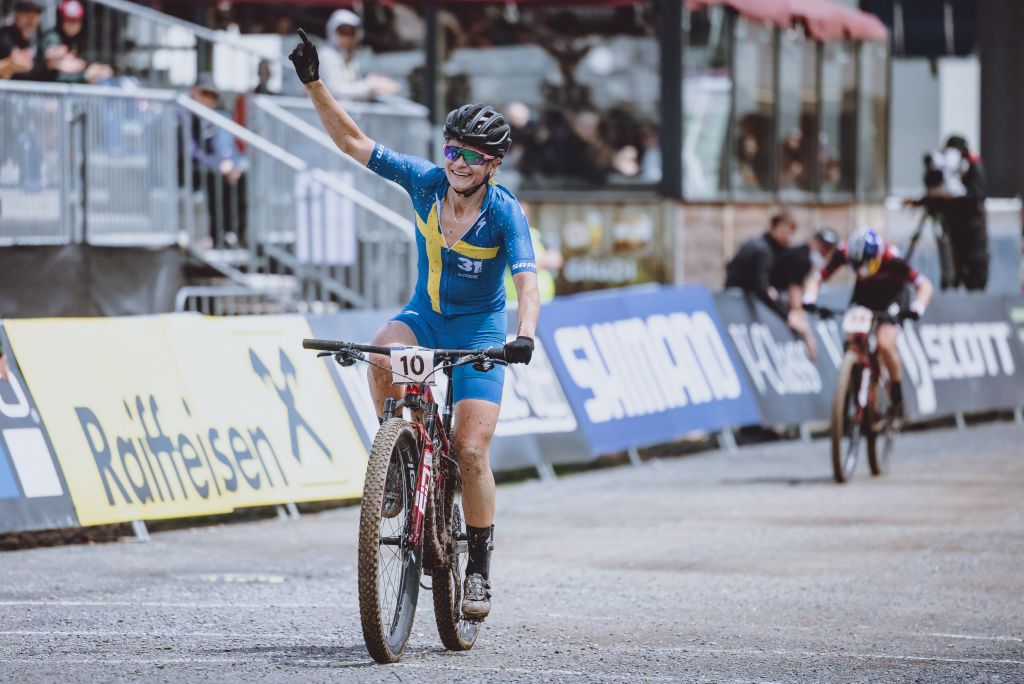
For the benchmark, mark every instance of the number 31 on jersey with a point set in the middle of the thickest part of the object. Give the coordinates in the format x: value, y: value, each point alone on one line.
x: 412, y: 365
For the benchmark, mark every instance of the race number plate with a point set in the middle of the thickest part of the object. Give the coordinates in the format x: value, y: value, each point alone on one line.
x: 857, y: 321
x: 412, y: 366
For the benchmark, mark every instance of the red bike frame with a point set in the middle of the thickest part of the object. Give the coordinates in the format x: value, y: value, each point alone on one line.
x: 425, y: 475
x: 870, y: 370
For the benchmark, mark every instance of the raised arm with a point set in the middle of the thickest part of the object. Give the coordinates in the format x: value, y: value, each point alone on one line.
x: 336, y: 121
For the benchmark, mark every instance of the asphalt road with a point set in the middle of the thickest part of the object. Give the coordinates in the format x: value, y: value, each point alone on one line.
x: 745, y: 567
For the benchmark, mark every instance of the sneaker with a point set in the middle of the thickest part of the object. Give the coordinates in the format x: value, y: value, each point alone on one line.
x: 392, y: 505
x: 476, y: 598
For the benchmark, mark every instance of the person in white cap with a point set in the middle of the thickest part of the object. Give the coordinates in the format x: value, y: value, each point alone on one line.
x: 339, y: 63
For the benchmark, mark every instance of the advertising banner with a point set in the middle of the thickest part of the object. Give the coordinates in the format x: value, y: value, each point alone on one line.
x: 33, y: 494
x: 171, y: 416
x: 646, y: 365
x: 536, y: 424
x: 790, y: 388
x: 965, y: 355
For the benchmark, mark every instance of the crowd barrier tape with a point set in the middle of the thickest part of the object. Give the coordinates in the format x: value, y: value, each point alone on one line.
x: 33, y: 493
x: 180, y: 415
x: 536, y: 427
x: 136, y: 418
x: 643, y: 366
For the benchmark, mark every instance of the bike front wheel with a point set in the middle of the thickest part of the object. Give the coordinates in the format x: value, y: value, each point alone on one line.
x: 846, y: 422
x: 389, y: 567
x: 881, y: 440
x: 457, y: 633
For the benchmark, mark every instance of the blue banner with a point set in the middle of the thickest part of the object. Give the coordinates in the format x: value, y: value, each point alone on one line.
x: 646, y: 365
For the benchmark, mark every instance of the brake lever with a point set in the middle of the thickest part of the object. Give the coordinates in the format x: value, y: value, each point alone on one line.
x: 348, y: 357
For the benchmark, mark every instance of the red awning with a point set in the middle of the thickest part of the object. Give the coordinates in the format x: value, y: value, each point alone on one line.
x: 825, y: 20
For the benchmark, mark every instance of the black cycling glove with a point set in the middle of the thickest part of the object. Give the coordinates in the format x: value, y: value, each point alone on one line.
x: 519, y: 350
x: 306, y: 60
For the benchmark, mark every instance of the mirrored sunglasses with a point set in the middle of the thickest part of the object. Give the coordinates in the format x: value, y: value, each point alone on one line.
x: 471, y: 157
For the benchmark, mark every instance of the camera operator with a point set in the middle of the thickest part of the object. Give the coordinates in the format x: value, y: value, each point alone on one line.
x: 955, y: 196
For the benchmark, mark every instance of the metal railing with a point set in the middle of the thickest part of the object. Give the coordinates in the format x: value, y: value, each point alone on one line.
x: 87, y: 164
x: 300, y: 221
x: 106, y: 166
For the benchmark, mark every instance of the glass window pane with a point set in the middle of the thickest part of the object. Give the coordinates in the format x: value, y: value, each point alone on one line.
x: 707, y: 92
x: 838, y: 138
x: 580, y: 86
x: 754, y: 78
x: 798, y: 115
x: 874, y: 74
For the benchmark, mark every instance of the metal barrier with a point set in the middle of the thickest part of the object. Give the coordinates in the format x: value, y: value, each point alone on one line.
x: 87, y: 164
x: 105, y: 166
x: 235, y: 300
x: 289, y: 218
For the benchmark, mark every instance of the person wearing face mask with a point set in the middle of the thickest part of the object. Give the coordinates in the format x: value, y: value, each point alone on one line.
x: 340, y: 69
x: 882, y: 277
x: 468, y: 229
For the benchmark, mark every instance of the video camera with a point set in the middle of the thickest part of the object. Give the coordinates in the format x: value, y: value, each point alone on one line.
x: 943, y: 172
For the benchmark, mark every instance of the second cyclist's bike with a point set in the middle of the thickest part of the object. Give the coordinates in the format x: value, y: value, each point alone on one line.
x: 861, y: 406
x: 410, y: 523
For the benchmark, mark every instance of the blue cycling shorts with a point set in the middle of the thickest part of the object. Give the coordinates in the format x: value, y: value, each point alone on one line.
x: 467, y: 331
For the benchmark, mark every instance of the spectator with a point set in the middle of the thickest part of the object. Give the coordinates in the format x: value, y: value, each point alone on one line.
x: 751, y: 269
x: 5, y: 371
x: 20, y: 55
x: 339, y: 64
x: 241, y: 108
x: 218, y: 169
x: 64, y: 46
x: 792, y: 268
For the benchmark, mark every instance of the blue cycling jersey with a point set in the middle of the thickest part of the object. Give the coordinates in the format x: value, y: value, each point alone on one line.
x: 467, y: 278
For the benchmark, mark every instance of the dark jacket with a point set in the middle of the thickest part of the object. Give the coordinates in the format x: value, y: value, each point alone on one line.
x: 751, y: 269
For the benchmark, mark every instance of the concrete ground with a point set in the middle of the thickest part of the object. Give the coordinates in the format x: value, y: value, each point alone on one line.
x: 744, y: 567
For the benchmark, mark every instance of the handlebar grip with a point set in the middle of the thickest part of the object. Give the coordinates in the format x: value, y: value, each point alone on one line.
x: 497, y: 353
x: 321, y: 345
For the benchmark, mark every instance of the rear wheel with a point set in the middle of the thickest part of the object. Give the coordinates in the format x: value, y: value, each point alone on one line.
x: 457, y: 634
x: 846, y: 427
x: 389, y: 569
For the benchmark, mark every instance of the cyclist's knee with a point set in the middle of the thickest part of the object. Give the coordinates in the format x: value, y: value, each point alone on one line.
x: 471, y: 453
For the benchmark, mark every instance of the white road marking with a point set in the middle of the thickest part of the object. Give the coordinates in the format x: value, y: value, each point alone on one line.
x: 168, y: 604
x: 974, y: 637
x: 866, y: 656
x: 168, y: 635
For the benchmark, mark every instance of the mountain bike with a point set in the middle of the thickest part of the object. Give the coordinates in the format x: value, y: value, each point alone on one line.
x: 410, y: 522
x: 861, y: 404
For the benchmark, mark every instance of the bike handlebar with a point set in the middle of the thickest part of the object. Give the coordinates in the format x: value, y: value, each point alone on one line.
x: 333, y: 346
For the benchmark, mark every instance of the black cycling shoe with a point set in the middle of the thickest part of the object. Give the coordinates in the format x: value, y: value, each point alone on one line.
x: 392, y: 504
x: 476, y: 598
x: 897, y: 414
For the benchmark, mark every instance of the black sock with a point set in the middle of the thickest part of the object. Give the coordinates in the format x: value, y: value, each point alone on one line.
x: 479, y: 550
x: 896, y: 391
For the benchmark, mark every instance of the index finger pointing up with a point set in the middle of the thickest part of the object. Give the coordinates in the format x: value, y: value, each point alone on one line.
x: 304, y: 37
